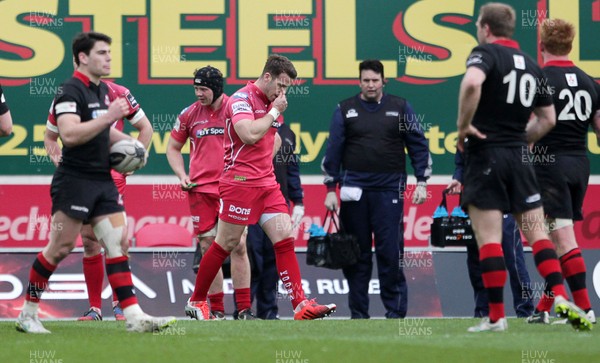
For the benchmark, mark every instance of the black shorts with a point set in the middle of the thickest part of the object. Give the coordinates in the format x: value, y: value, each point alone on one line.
x: 501, y: 179
x: 84, y: 199
x: 563, y: 184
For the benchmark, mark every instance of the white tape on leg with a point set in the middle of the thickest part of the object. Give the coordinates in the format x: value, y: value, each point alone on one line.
x: 211, y: 233
x: 562, y: 223
x: 110, y: 236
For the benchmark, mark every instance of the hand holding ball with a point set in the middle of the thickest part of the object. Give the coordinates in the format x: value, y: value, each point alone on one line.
x: 127, y: 155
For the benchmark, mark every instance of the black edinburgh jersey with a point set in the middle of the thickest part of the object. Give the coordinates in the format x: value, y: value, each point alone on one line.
x: 514, y: 86
x: 576, y: 101
x: 3, y: 105
x: 84, y: 98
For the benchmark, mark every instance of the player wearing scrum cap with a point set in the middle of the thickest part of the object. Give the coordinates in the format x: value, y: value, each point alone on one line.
x: 203, y: 122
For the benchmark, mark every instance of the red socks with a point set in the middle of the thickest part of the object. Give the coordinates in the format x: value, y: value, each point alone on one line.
x: 493, y: 273
x: 216, y: 302
x: 289, y: 271
x: 209, y: 267
x: 38, y: 278
x: 242, y: 299
x: 119, y: 276
x: 93, y: 271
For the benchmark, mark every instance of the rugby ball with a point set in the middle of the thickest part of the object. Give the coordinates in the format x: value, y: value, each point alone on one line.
x: 127, y: 155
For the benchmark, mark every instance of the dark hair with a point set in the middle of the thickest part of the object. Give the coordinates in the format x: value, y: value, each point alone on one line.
x: 499, y: 17
x: 372, y: 65
x: 557, y: 36
x: 84, y: 42
x: 277, y: 64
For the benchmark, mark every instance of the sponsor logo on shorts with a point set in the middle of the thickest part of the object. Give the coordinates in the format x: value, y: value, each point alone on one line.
x: 239, y: 178
x: 241, y: 214
x: 533, y: 198
x: 80, y: 208
x: 240, y: 210
x: 233, y: 216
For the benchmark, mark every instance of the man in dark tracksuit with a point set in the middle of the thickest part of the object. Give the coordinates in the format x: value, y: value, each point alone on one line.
x: 365, y: 155
x: 512, y: 247
x: 260, y: 248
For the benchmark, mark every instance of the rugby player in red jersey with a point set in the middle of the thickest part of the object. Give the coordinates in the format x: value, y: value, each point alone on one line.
x: 203, y: 122
x: 249, y: 192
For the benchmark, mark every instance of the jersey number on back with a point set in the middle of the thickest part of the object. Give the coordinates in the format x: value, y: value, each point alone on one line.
x: 575, y: 102
x: 526, y: 88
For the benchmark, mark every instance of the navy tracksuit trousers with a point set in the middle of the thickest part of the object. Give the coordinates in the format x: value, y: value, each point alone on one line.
x: 377, y: 214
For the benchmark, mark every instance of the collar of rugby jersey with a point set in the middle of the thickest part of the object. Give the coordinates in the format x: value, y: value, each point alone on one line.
x: 559, y: 63
x: 82, y: 77
x: 507, y: 43
x: 258, y: 92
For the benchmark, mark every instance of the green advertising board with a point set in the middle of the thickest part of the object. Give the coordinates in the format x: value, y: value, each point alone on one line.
x: 158, y: 44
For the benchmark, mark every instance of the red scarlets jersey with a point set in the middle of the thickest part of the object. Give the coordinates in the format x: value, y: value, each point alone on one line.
x: 204, y: 127
x: 249, y: 165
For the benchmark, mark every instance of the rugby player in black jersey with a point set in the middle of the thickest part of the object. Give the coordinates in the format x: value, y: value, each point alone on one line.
x: 561, y: 164
x: 501, y: 88
x: 82, y: 189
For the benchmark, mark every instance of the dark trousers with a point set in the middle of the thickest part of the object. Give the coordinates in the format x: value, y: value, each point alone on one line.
x: 520, y: 284
x: 264, y: 279
x: 377, y: 214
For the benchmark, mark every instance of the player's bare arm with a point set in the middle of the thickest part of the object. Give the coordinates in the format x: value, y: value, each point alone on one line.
x: 470, y: 94
x: 145, y: 128
x: 177, y: 163
x: 51, y: 145
x: 73, y: 132
x: 116, y: 135
x: 251, y: 131
x: 542, y: 124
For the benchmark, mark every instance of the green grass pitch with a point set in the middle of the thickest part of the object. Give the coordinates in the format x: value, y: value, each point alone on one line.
x: 286, y: 341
